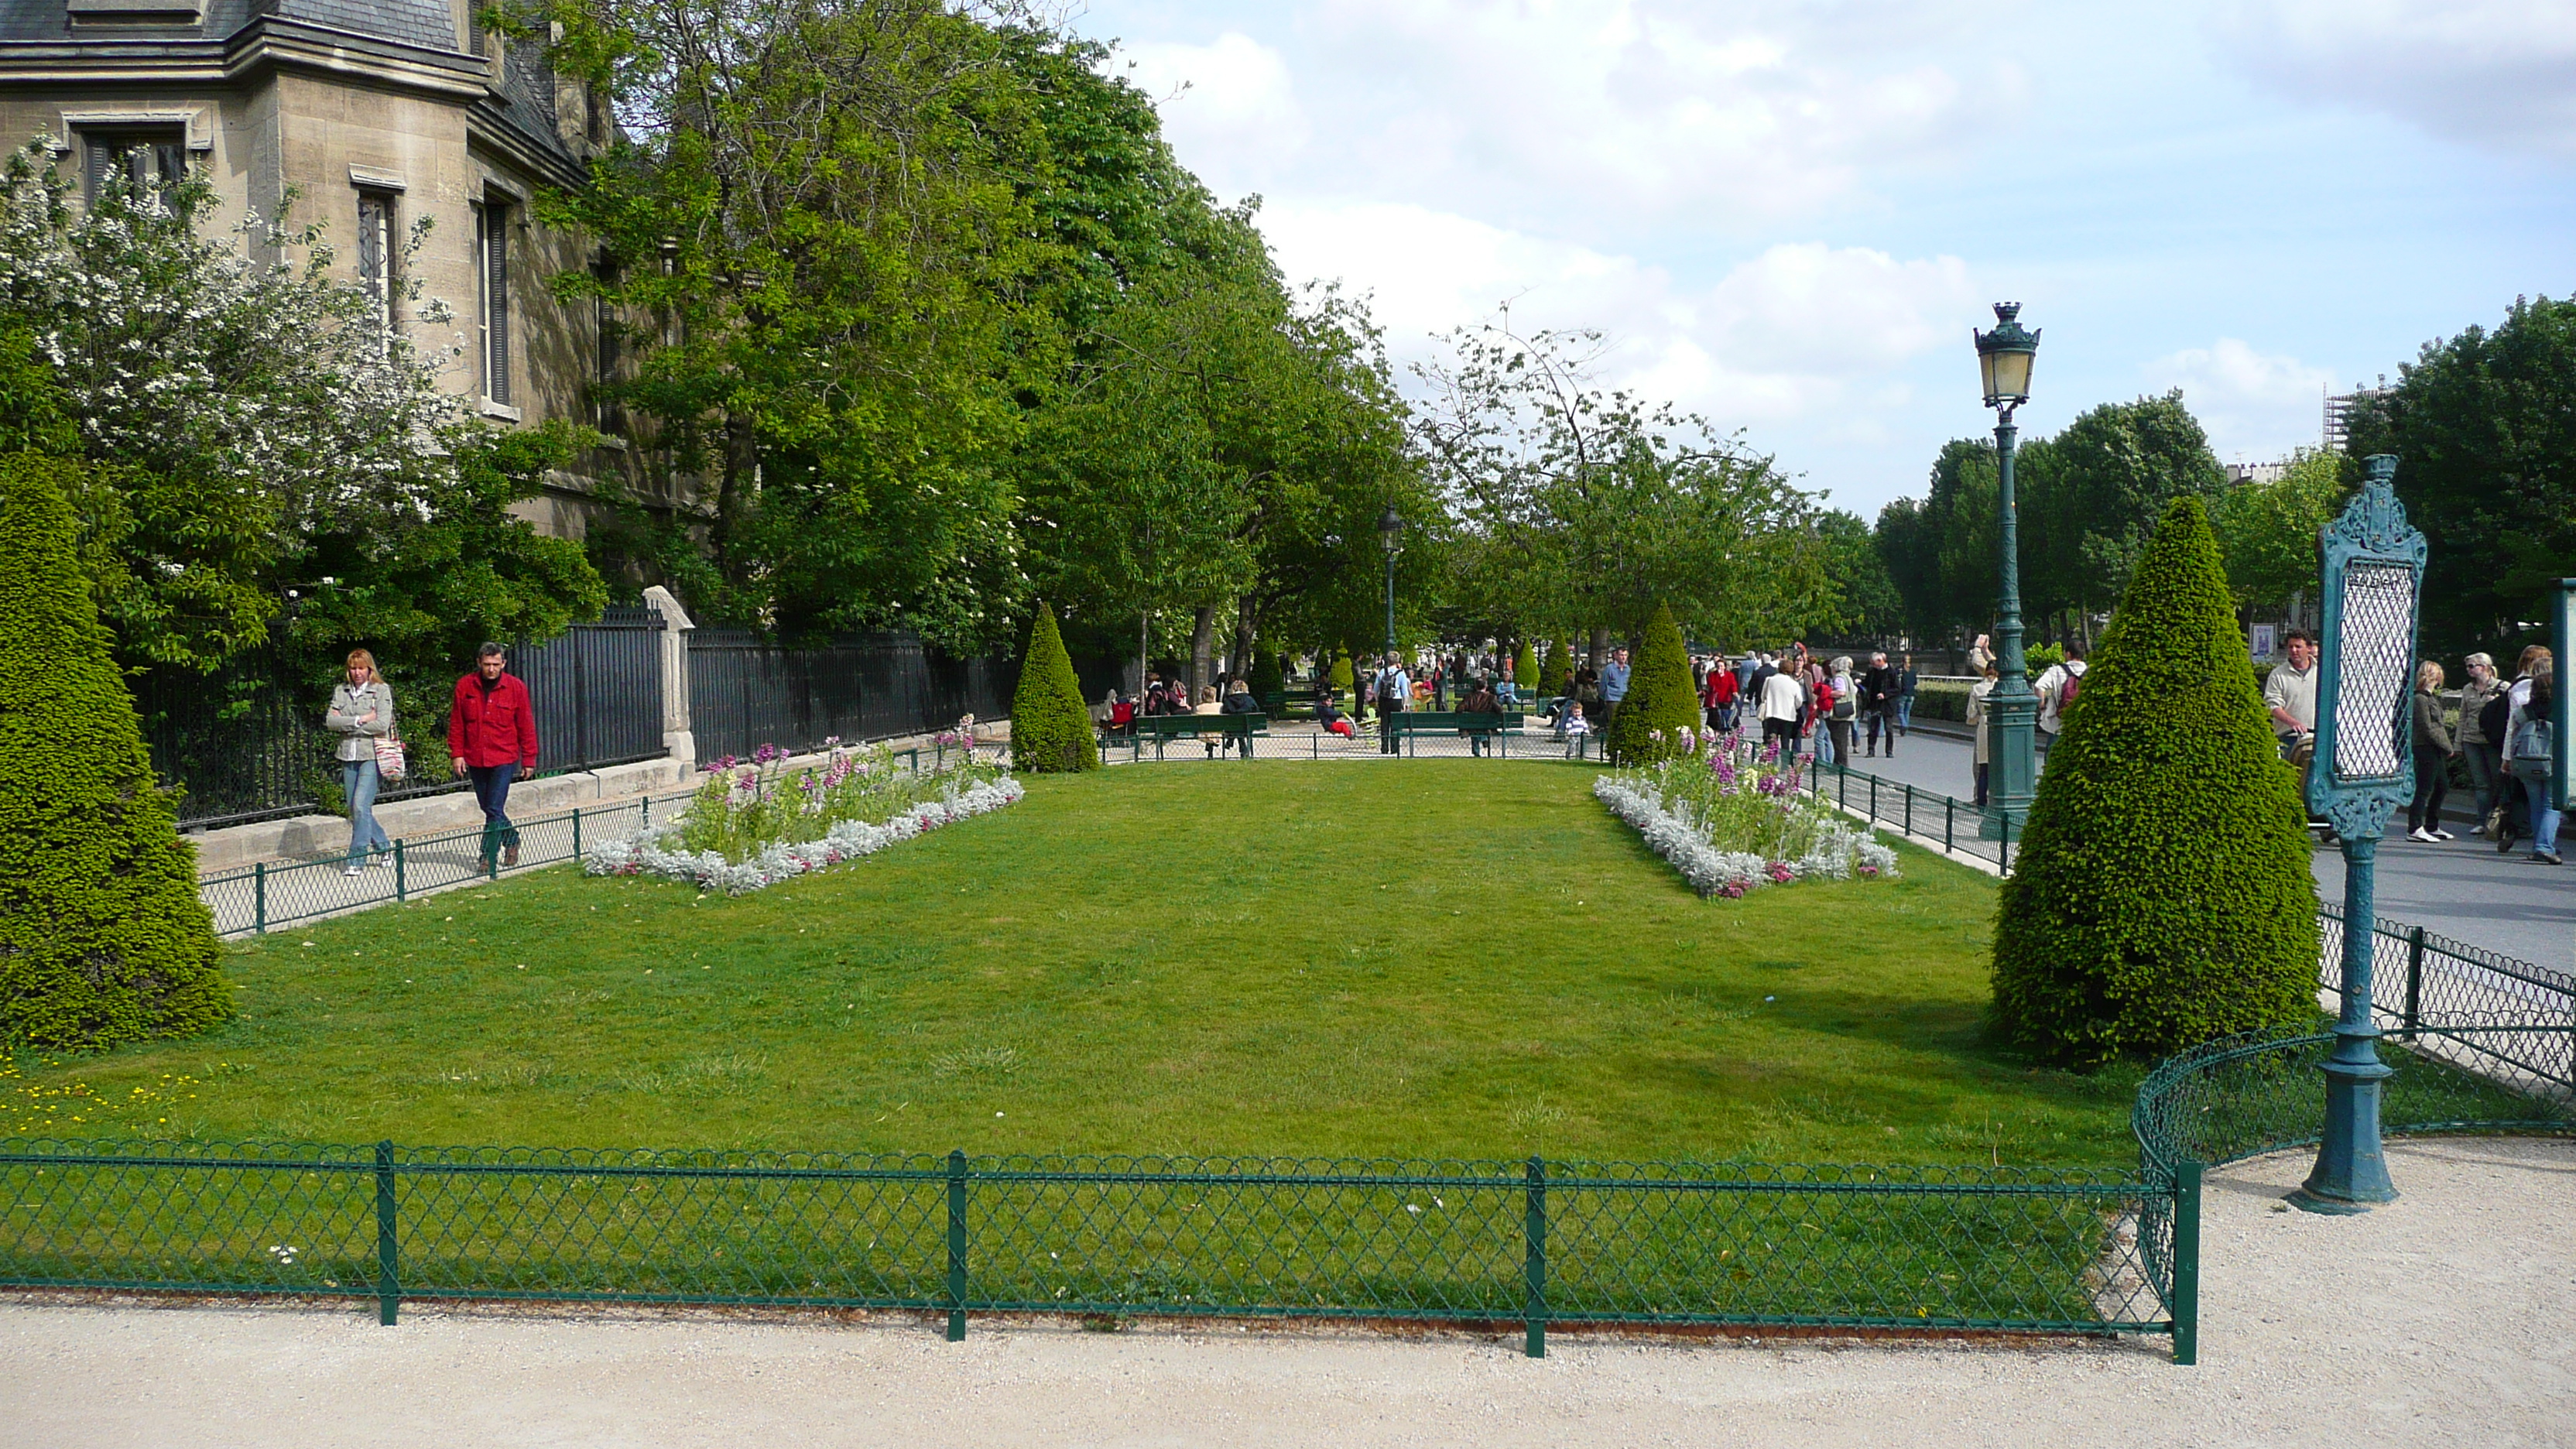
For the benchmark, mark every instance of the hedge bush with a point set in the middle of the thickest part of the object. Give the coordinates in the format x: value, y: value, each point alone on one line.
x: 1050, y: 725
x: 102, y: 936
x: 1525, y: 667
x: 1660, y: 697
x: 1556, y: 672
x: 2163, y: 895
x: 1267, y: 678
x: 1344, y: 680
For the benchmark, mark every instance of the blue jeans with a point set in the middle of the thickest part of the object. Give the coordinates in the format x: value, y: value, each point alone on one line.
x: 360, y: 782
x: 492, y: 792
x: 1905, y: 711
x: 1824, y: 742
x: 2534, y: 775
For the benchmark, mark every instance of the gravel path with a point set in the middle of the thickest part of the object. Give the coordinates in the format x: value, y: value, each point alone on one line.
x: 2442, y: 1319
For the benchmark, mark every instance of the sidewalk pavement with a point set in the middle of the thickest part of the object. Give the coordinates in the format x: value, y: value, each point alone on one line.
x: 2463, y: 888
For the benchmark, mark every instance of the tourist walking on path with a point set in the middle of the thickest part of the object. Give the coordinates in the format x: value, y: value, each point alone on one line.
x: 492, y: 739
x: 1614, y: 686
x: 2528, y: 752
x: 1906, y: 680
x: 2057, y: 690
x: 1880, y: 689
x: 362, y: 712
x: 1977, y: 693
x: 1779, y: 705
x: 1720, y: 696
x: 2433, y: 751
x: 2290, y: 694
x: 1841, y: 708
x: 1394, y: 687
x: 2482, y: 755
x: 1980, y: 654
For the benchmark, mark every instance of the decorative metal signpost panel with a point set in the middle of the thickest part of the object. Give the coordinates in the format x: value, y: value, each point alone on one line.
x: 2561, y: 714
x: 2374, y: 577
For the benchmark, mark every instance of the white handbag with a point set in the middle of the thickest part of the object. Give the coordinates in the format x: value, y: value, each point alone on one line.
x: 392, y: 762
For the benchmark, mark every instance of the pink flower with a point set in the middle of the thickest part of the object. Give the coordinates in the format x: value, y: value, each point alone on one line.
x: 1734, y: 890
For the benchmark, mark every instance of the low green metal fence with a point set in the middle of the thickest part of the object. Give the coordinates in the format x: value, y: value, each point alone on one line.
x: 1959, y: 825
x: 270, y: 894
x: 1528, y: 1244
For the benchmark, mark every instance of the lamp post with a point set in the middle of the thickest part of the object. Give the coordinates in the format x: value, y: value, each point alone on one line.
x: 1390, y: 526
x: 2012, y: 710
x: 2365, y: 749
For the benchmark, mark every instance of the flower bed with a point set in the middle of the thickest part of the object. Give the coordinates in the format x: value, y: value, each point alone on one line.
x: 1731, y: 819
x: 754, y: 825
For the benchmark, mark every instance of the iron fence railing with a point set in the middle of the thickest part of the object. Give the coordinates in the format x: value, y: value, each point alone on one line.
x: 745, y: 691
x: 260, y: 897
x: 1530, y: 1243
x: 2503, y: 1019
x: 2262, y: 1091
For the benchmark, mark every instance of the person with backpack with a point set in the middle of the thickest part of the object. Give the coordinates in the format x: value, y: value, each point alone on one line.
x: 1394, y: 689
x: 2058, y: 689
x: 2527, y: 752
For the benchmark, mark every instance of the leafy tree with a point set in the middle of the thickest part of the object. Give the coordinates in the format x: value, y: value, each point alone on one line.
x: 1050, y: 726
x: 2163, y: 894
x: 1863, y: 600
x: 1267, y: 677
x: 2484, y: 428
x: 1605, y: 505
x: 1661, y: 702
x: 1344, y: 681
x: 2268, y: 532
x: 2099, y: 488
x: 102, y: 936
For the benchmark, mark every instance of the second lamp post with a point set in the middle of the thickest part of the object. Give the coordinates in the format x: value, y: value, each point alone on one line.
x: 2012, y: 710
x: 1390, y: 527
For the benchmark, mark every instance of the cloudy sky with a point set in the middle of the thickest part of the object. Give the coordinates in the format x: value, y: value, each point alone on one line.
x: 1789, y: 216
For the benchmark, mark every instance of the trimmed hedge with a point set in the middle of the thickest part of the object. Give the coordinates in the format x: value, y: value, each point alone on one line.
x: 1267, y: 678
x: 1556, y: 672
x: 1660, y: 697
x: 102, y: 936
x: 1525, y: 667
x: 2163, y: 895
x: 1050, y: 725
x: 1344, y: 681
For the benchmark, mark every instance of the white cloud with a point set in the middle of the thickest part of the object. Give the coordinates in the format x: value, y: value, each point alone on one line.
x: 1577, y: 117
x: 2499, y: 73
x: 1795, y: 331
x: 1229, y: 107
x: 2256, y: 406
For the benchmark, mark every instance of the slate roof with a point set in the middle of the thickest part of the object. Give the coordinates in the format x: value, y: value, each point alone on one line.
x: 425, y: 23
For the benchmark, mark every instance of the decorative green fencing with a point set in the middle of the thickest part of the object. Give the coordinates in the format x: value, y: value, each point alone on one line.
x: 1527, y: 1244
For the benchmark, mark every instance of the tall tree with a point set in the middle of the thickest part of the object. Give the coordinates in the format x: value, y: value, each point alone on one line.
x: 2484, y: 428
x: 2267, y: 532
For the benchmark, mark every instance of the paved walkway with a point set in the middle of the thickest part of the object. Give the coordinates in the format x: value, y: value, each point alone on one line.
x: 2462, y: 889
x: 2438, y: 1320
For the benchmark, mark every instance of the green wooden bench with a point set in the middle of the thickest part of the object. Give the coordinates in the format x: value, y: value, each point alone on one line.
x: 1453, y: 722
x: 1164, y: 728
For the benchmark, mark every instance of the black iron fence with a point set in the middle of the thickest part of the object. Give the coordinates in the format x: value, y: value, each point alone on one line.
x: 745, y: 692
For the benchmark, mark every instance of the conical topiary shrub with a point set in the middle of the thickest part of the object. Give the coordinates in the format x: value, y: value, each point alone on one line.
x: 2161, y: 896
x: 102, y: 936
x: 1267, y: 678
x: 1556, y: 672
x: 1525, y: 668
x: 1050, y: 725
x: 1344, y: 681
x: 1660, y: 702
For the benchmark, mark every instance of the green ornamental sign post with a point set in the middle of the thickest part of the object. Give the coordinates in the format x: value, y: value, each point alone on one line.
x: 2363, y: 769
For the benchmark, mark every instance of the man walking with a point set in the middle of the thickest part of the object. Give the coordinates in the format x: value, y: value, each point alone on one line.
x: 492, y: 739
x: 1614, y: 687
x: 1394, y: 689
x: 2058, y: 689
x: 2290, y: 695
x: 1880, y: 688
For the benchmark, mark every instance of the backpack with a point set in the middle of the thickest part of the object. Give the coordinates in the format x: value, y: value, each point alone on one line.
x: 2496, y: 716
x: 2066, y: 694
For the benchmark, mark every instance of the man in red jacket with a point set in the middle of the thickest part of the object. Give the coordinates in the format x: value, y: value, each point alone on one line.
x: 492, y: 738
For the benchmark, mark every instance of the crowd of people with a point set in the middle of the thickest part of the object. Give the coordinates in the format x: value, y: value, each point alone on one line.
x: 1834, y: 709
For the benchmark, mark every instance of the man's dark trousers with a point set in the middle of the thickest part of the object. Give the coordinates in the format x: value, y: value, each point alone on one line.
x: 492, y: 792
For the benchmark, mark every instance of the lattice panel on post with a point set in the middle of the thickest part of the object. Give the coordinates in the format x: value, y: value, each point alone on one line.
x: 2376, y: 666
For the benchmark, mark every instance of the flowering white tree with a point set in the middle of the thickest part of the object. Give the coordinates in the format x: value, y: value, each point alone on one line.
x: 245, y: 409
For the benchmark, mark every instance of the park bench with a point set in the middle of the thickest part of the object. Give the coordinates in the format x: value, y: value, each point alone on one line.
x: 1453, y: 722
x: 1164, y: 728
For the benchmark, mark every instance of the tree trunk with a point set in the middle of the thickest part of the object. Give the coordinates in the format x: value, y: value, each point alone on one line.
x: 1243, y: 639
x: 1597, y: 648
x: 1202, y: 650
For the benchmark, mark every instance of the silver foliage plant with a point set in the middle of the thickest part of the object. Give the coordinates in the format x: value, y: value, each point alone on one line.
x: 1731, y: 820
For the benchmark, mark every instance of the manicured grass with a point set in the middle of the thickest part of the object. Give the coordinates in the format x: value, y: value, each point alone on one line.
x: 1438, y: 958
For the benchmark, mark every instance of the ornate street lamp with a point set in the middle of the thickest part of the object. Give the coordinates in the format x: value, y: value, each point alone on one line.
x: 1390, y: 527
x: 2012, y: 710
x: 2363, y: 768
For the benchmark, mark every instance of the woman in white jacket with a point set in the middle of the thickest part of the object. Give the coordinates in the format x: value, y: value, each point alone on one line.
x: 362, y: 712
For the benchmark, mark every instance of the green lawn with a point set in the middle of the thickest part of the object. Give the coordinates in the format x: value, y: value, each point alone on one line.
x: 1439, y: 958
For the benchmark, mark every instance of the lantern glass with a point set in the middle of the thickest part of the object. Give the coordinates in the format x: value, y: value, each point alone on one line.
x: 2006, y: 374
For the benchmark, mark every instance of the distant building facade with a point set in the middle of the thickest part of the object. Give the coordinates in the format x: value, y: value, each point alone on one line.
x: 379, y: 113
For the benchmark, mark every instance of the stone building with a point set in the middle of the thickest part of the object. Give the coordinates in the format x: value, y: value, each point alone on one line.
x: 379, y: 114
